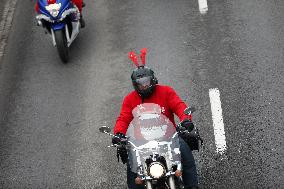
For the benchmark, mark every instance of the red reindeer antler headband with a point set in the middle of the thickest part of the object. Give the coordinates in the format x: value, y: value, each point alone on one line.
x: 134, y: 58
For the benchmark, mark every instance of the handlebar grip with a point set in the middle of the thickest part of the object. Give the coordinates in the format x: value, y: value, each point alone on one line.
x: 180, y: 128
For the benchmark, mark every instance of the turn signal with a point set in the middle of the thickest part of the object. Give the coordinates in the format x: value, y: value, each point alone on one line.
x: 51, y: 1
x: 138, y: 180
x: 178, y: 173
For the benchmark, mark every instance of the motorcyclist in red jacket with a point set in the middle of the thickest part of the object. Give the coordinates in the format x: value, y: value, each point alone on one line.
x: 147, y: 90
x: 79, y: 4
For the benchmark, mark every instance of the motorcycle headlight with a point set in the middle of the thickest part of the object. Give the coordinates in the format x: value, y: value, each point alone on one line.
x: 53, y: 9
x: 156, y: 170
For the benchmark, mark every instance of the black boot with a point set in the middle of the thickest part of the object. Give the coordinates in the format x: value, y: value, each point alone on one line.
x: 82, y: 22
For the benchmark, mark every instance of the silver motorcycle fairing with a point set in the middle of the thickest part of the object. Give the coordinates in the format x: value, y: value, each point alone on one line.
x: 150, y: 133
x: 75, y: 31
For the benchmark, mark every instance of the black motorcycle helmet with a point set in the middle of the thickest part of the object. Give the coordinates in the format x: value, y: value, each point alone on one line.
x: 144, y: 81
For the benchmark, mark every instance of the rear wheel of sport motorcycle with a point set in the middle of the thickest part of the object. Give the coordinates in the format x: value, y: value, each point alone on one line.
x: 61, y: 44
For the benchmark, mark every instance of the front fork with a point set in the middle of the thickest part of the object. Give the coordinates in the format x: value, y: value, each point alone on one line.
x: 53, y: 37
x: 66, y: 34
x: 148, y: 184
x: 172, y: 182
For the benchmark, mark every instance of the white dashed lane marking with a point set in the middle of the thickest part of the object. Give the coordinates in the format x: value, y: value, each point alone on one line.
x: 203, y: 7
x: 217, y: 117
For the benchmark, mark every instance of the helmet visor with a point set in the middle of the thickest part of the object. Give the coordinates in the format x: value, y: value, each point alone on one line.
x: 143, y: 83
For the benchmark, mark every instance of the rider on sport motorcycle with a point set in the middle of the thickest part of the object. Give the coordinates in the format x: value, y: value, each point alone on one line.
x: 79, y: 4
x: 147, y: 90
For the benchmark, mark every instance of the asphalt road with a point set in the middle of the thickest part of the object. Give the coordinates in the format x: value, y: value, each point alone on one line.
x: 51, y: 112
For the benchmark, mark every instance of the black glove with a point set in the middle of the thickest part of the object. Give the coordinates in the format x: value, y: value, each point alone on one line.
x: 186, y: 124
x: 122, y: 152
x: 192, y: 139
x: 117, y: 138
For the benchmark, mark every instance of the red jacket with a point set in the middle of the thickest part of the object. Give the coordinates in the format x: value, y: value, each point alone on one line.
x: 164, y: 96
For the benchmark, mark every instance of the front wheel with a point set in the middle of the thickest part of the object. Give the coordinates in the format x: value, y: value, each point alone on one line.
x: 61, y: 44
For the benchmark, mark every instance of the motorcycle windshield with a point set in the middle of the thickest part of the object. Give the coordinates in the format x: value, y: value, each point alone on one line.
x: 150, y: 133
x: 63, y: 5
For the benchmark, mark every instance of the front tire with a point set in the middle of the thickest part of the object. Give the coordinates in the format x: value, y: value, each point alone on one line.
x: 61, y: 44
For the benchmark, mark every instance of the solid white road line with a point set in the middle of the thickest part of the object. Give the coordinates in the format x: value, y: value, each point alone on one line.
x: 6, y: 23
x: 217, y: 117
x: 203, y: 7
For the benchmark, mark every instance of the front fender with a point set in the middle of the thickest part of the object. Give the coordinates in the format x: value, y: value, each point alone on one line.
x: 58, y: 26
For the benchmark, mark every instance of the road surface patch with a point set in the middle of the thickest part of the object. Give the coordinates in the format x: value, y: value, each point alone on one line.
x: 6, y: 23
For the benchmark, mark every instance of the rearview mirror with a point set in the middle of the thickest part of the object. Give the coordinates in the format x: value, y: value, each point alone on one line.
x: 189, y: 110
x: 104, y: 129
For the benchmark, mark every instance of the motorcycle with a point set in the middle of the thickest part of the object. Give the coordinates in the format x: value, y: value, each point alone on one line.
x: 61, y: 19
x: 152, y: 144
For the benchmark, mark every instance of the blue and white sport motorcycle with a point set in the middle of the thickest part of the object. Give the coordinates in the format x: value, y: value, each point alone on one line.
x: 61, y: 18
